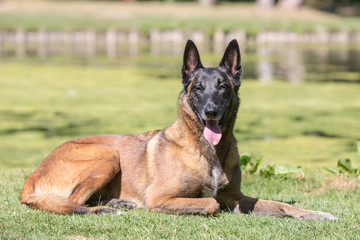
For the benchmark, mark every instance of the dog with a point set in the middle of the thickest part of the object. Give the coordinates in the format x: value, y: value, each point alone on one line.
x: 162, y: 170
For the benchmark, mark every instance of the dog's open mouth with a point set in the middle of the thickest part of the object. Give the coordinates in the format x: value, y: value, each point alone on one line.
x: 212, y: 131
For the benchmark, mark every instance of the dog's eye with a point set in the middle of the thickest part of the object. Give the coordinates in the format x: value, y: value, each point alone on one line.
x: 222, y: 87
x: 198, y: 88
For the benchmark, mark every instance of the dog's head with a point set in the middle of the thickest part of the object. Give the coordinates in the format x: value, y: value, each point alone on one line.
x: 211, y: 89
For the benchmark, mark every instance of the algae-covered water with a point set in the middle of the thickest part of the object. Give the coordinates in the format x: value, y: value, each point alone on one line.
x: 299, y: 103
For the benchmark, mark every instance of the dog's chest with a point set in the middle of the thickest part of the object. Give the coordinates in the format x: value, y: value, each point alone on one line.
x: 216, y: 180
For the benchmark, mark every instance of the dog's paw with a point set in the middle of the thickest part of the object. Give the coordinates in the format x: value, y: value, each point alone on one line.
x: 107, y: 210
x: 326, y: 217
x: 320, y: 216
x: 82, y: 210
x: 213, y: 208
x: 118, y: 203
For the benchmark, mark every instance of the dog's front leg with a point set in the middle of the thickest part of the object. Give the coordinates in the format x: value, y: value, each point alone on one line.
x: 279, y: 209
x: 240, y: 203
x: 206, y: 206
x: 235, y: 201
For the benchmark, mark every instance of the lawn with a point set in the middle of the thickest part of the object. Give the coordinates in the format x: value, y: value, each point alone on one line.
x: 338, y: 198
x: 310, y: 124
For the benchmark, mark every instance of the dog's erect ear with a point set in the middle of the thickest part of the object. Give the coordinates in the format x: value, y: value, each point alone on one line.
x: 231, y: 61
x: 191, y: 62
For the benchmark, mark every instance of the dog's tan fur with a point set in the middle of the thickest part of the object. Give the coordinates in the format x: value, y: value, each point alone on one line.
x: 163, y: 170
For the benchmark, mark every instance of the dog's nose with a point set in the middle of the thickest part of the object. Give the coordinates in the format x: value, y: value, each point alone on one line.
x: 211, y: 112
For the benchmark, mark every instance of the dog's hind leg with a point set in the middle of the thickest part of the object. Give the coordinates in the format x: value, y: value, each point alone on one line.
x: 100, y: 174
x: 69, y: 176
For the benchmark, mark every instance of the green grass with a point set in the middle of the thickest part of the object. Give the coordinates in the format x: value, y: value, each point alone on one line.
x: 310, y: 124
x: 21, y: 222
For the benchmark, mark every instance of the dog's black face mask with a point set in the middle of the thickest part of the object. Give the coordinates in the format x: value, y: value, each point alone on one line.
x: 210, y: 93
x: 211, y: 89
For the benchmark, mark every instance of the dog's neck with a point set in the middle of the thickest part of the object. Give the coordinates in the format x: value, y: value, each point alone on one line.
x: 228, y: 138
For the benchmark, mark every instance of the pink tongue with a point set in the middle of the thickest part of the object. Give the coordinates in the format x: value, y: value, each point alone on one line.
x: 212, y: 132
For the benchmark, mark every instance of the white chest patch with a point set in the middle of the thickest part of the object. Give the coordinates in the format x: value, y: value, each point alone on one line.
x: 216, y: 175
x: 212, y: 191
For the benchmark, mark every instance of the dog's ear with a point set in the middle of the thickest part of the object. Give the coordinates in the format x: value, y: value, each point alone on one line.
x: 191, y: 62
x: 231, y: 61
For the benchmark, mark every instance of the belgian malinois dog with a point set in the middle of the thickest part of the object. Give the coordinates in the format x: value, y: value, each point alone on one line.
x: 163, y: 170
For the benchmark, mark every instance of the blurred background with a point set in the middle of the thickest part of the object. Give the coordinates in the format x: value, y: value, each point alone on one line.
x: 75, y: 68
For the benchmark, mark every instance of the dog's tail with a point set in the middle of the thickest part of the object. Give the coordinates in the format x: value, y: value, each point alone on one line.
x: 48, y: 201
